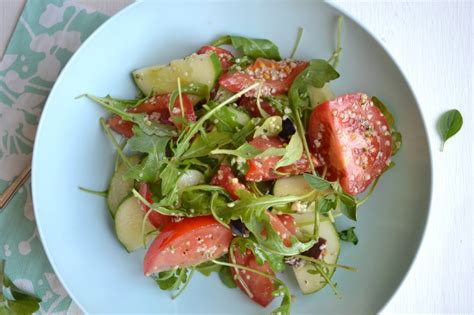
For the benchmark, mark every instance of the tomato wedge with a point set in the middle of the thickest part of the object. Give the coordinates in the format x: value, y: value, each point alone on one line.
x: 225, y: 56
x: 157, y: 109
x: 188, y: 242
x: 288, y: 222
x: 227, y: 180
x: 157, y: 219
x: 262, y: 169
x: 277, y: 76
x: 120, y: 126
x: 259, y: 287
x: 250, y: 104
x: 351, y: 137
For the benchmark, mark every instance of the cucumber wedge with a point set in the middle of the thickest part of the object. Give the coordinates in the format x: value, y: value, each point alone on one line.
x: 317, y: 96
x: 128, y: 224
x: 162, y: 79
x: 294, y: 185
x: 119, y: 187
x: 310, y: 283
x: 190, y: 178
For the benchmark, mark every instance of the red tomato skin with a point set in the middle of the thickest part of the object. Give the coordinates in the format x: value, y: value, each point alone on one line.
x: 261, y: 169
x: 276, y: 75
x: 288, y: 222
x: 187, y: 242
x: 225, y: 56
x: 351, y: 138
x: 260, y: 287
x: 227, y: 180
x: 250, y: 104
x: 120, y: 126
x: 158, y: 220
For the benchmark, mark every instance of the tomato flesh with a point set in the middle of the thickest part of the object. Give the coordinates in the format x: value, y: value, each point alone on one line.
x: 188, y: 242
x: 250, y: 104
x: 351, y: 138
x: 262, y: 169
x: 260, y: 287
x: 225, y: 56
x: 277, y: 76
x: 120, y: 126
x: 227, y: 180
x: 158, y: 220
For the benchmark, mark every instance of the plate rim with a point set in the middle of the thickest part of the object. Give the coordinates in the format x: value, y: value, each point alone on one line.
x: 334, y: 6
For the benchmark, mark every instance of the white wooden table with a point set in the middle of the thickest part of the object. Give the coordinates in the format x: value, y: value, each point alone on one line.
x: 433, y: 42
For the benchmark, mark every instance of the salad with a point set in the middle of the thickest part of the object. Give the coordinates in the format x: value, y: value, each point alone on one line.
x: 235, y: 161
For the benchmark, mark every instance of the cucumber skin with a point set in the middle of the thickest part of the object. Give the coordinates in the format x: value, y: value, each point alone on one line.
x: 148, y: 226
x: 120, y: 171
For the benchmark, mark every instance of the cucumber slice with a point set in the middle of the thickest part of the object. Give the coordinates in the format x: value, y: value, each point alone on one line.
x: 119, y: 187
x: 294, y: 185
x: 318, y: 96
x: 190, y: 178
x: 204, y: 69
x: 128, y: 224
x: 310, y: 283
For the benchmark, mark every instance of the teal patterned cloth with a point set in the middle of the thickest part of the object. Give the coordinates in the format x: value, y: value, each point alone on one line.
x: 46, y: 36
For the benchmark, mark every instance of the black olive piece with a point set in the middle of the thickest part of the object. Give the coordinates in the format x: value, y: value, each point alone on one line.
x: 288, y: 129
x: 238, y: 228
x: 317, y: 249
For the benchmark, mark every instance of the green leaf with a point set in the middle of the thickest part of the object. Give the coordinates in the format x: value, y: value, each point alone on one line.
x: 208, y: 267
x: 203, y: 145
x: 240, y: 137
x: 225, y: 274
x: 252, y: 47
x: 328, y: 203
x: 28, y: 306
x: 155, y: 147
x: 196, y: 199
x: 348, y: 205
x: 396, y: 141
x: 380, y: 105
x: 317, y: 183
x: 396, y: 136
x: 349, y: 235
x: 280, y: 102
x: 293, y: 153
x: 148, y: 126
x: 449, y: 124
x: 261, y: 255
x: 271, y: 127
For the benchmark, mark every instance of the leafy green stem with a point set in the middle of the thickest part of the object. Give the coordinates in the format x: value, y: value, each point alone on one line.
x: 325, y: 276
x: 323, y: 263
x: 94, y: 192
x: 188, y: 279
x: 297, y: 42
x: 337, y: 53
x: 114, y: 142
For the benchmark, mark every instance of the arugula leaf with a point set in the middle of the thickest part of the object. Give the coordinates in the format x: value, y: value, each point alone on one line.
x: 155, y: 148
x: 337, y: 53
x: 240, y: 137
x: 248, y: 151
x: 196, y: 199
x: 449, y: 124
x: 148, y: 126
x: 20, y: 302
x: 327, y: 203
x: 241, y: 63
x: 285, y: 305
x: 203, y: 145
x: 297, y: 42
x: 261, y: 255
x: 293, y: 153
x: 228, y: 119
x: 270, y: 127
x: 348, y: 205
x: 252, y: 47
x: 169, y: 176
x: 349, y: 235
x: 396, y: 136
x: 225, y: 274
x: 317, y: 183
x: 185, y: 138
x: 208, y: 267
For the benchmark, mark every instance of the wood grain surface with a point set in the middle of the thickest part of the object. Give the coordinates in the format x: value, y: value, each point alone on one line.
x: 432, y: 41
